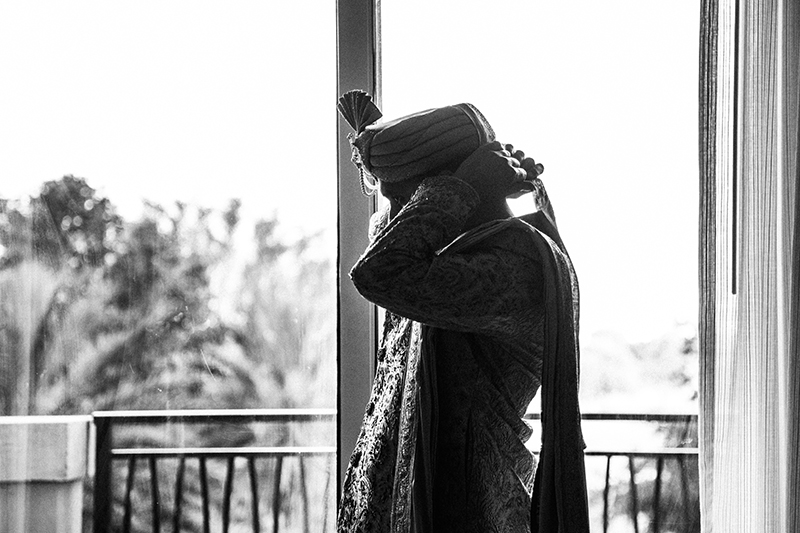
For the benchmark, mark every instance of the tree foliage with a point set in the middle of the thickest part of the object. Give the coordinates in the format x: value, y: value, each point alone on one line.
x: 162, y: 312
x: 102, y: 313
x: 67, y: 223
x: 166, y: 312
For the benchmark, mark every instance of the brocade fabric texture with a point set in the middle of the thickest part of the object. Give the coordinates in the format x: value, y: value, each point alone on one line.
x: 442, y: 447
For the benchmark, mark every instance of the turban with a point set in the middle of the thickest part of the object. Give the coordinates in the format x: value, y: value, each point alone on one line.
x: 415, y: 145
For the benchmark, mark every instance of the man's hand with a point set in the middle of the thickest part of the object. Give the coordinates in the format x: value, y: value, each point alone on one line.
x: 532, y: 169
x: 495, y: 173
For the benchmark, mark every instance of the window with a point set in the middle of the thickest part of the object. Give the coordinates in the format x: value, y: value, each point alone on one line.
x: 168, y: 222
x: 605, y: 96
x: 219, y: 290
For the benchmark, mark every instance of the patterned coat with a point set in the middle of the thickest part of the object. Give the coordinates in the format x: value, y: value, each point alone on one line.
x: 442, y: 447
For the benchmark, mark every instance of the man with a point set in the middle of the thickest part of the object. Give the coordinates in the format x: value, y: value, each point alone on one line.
x: 481, y: 309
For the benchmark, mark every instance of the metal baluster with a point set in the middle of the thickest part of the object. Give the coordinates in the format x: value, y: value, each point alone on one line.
x: 251, y: 467
x: 687, y: 425
x: 103, y: 495
x: 176, y: 516
x: 327, y: 493
x: 126, y: 517
x: 226, y: 496
x: 276, y: 495
x: 204, y: 495
x: 684, y: 486
x: 605, y: 494
x: 304, y: 494
x: 657, y: 496
x: 634, y: 496
x: 154, y: 496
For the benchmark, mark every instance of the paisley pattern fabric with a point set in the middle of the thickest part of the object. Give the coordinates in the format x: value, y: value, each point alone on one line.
x: 367, y: 499
x: 442, y: 446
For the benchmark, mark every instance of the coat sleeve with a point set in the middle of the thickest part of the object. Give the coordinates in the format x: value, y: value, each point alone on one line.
x: 490, y: 288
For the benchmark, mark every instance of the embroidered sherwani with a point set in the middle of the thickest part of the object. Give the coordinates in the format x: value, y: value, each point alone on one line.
x: 442, y: 447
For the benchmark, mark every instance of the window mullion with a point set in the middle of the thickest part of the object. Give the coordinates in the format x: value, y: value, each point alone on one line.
x: 358, y: 67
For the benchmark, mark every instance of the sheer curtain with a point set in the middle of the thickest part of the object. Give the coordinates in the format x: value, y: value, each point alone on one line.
x: 750, y: 266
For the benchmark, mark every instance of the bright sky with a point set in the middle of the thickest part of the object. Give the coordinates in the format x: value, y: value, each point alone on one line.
x: 604, y: 94
x: 194, y: 100
x: 205, y: 101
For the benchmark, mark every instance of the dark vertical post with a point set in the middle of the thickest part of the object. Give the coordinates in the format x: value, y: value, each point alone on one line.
x: 204, y: 495
x: 605, y: 494
x: 276, y: 494
x: 634, y: 496
x: 226, y: 496
x: 102, y: 475
x: 251, y: 468
x: 657, y: 496
x: 176, y: 515
x: 154, y: 496
x: 126, y: 506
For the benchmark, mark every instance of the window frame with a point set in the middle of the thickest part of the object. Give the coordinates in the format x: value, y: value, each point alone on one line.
x: 357, y: 67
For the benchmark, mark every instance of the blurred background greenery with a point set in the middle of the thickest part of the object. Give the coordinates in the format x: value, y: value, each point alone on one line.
x: 102, y: 313
x: 166, y: 312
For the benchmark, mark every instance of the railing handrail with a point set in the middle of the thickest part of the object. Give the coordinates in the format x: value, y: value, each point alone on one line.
x: 210, y: 415
x: 245, y: 451
x: 293, y: 414
x: 633, y: 417
x: 105, y: 454
x: 677, y: 451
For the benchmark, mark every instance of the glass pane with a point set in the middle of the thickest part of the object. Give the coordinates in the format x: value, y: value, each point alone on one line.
x: 604, y: 94
x: 167, y: 229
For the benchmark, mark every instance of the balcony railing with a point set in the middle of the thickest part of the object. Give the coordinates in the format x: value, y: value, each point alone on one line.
x: 107, y: 456
x: 266, y: 466
x: 683, y: 456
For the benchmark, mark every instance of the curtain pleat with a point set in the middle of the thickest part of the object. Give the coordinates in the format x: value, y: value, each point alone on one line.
x: 750, y: 266
x: 707, y: 243
x: 791, y: 88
